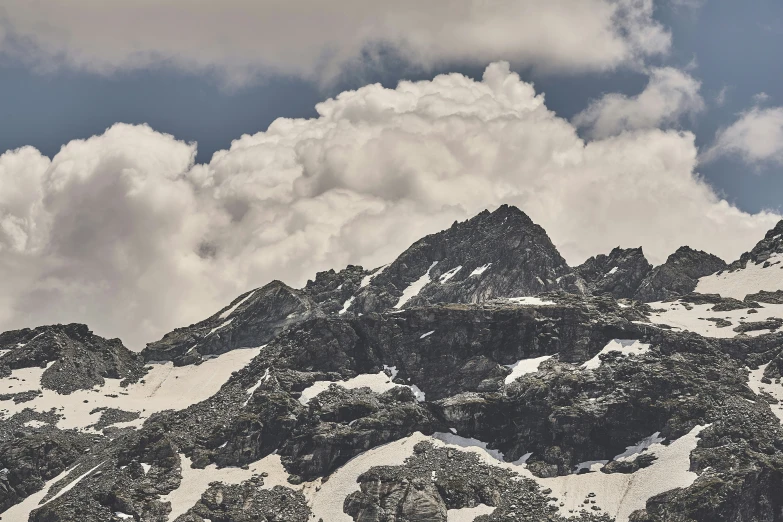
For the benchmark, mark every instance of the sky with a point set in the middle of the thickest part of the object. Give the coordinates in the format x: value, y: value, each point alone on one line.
x: 164, y: 157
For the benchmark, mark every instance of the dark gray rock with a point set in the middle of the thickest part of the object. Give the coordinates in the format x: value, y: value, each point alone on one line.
x: 516, y: 256
x: 618, y: 274
x: 252, y: 319
x: 775, y: 297
x: 75, y: 358
x: 247, y: 502
x: 678, y: 275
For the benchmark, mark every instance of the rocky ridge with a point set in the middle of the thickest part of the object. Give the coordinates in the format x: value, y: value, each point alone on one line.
x: 476, y: 376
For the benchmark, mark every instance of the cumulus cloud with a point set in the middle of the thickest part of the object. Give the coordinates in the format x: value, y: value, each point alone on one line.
x: 125, y: 232
x: 669, y: 95
x: 756, y: 137
x: 316, y: 39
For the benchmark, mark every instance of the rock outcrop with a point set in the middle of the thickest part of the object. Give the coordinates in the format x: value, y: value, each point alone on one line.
x: 618, y: 274
x: 678, y: 276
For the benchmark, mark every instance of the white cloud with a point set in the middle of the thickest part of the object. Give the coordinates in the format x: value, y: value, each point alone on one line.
x: 720, y: 98
x: 122, y: 231
x: 669, y: 95
x: 761, y: 98
x: 316, y: 39
x: 756, y: 137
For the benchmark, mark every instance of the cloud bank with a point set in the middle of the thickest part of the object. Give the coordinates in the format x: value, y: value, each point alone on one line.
x: 125, y: 232
x: 317, y: 39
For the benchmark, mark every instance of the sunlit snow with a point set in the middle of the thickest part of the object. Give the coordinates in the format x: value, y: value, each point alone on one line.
x: 624, y: 346
x: 415, y: 287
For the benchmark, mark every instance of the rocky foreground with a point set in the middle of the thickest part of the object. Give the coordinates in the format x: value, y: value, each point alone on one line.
x: 476, y: 377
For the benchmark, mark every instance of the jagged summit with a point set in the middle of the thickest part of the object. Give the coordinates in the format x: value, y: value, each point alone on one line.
x: 494, y: 254
x: 618, y: 274
x: 679, y: 275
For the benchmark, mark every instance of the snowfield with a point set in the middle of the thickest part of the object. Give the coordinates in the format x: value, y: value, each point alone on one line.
x: 677, y: 315
x: 749, y: 280
x: 524, y: 366
x: 618, y: 494
x: 165, y: 387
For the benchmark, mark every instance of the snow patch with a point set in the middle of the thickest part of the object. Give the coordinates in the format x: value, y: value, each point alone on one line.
x: 34, y: 424
x: 22, y: 510
x: 524, y: 366
x: 23, y: 380
x: 219, y: 327
x: 678, y: 316
x: 774, y: 389
x: 377, y: 382
x: 366, y: 280
x: 451, y: 273
x: 196, y: 481
x: 467, y: 442
x: 626, y: 347
x: 415, y: 287
x: 327, y: 504
x: 618, y: 494
x: 346, y: 305
x: 639, y: 447
x: 250, y: 391
x: 749, y: 280
x: 231, y: 310
x: 424, y: 336
x: 480, y: 270
x: 529, y: 301
x: 165, y: 387
x: 420, y: 395
x: 392, y: 371
x: 590, y: 466
x: 71, y: 485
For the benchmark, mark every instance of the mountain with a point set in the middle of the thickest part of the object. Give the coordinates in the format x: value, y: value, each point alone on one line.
x: 476, y: 377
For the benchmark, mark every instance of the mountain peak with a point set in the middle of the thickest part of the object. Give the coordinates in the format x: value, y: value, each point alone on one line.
x: 494, y: 254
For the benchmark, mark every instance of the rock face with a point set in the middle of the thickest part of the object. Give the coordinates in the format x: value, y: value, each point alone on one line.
x: 462, y: 398
x: 618, y: 274
x: 678, y: 276
x: 252, y: 319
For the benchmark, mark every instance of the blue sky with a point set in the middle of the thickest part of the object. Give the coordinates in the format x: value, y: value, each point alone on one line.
x: 610, y: 122
x: 730, y: 47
